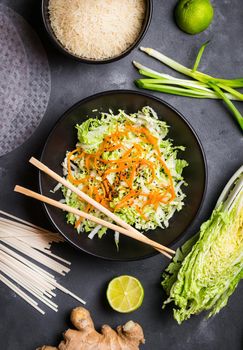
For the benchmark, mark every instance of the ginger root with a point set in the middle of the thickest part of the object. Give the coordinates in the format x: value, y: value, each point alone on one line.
x: 127, y: 337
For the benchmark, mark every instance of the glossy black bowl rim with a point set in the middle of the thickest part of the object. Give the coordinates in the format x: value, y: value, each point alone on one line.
x: 60, y: 47
x: 133, y: 92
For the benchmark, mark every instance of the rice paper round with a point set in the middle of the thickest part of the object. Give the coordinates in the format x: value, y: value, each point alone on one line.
x: 25, y: 81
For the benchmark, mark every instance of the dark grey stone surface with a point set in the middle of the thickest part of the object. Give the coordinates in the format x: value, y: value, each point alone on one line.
x: 22, y: 328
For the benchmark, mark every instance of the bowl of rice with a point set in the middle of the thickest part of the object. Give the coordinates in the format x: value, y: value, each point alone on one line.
x: 96, y: 31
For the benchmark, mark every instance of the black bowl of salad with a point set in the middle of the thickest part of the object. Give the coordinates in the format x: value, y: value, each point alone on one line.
x: 136, y: 155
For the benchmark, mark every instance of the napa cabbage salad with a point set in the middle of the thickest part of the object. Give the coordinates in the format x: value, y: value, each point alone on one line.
x: 126, y: 163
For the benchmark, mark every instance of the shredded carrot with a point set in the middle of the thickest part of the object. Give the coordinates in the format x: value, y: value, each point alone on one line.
x: 132, y: 176
x: 117, y: 161
x: 124, y: 200
x: 87, y: 162
x: 70, y: 176
x: 107, y: 189
x: 154, y: 141
x: 103, y: 189
x: 78, y: 222
x: 151, y: 166
x: 141, y: 213
x: 79, y: 156
x: 105, y: 204
x: 114, y: 148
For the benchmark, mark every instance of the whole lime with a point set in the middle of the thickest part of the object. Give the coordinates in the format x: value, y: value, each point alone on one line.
x: 193, y: 16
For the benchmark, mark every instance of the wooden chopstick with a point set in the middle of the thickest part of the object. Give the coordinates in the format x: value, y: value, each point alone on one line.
x: 95, y: 204
x: 93, y: 218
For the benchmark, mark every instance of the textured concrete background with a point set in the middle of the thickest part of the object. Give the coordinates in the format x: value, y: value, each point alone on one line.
x: 23, y: 328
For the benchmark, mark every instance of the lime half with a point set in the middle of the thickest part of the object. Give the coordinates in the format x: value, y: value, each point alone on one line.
x: 125, y: 293
x: 194, y: 16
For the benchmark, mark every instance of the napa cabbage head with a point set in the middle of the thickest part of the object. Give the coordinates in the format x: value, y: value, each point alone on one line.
x: 208, y: 267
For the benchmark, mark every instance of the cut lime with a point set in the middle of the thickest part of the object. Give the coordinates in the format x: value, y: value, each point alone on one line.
x: 193, y: 16
x: 125, y: 293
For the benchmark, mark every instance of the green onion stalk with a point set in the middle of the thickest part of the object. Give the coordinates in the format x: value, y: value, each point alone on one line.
x: 203, y: 85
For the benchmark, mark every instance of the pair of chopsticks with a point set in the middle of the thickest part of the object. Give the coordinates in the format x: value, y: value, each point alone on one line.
x: 123, y: 227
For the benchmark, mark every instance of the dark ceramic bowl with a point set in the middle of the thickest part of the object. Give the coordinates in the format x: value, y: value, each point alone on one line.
x: 63, y: 137
x: 56, y: 42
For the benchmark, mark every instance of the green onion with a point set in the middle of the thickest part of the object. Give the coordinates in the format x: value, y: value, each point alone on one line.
x: 230, y: 105
x: 204, y: 86
x: 181, y: 82
x: 173, y: 90
x: 199, y: 56
x: 233, y: 92
x: 168, y: 79
x: 237, y: 83
x: 162, y: 86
